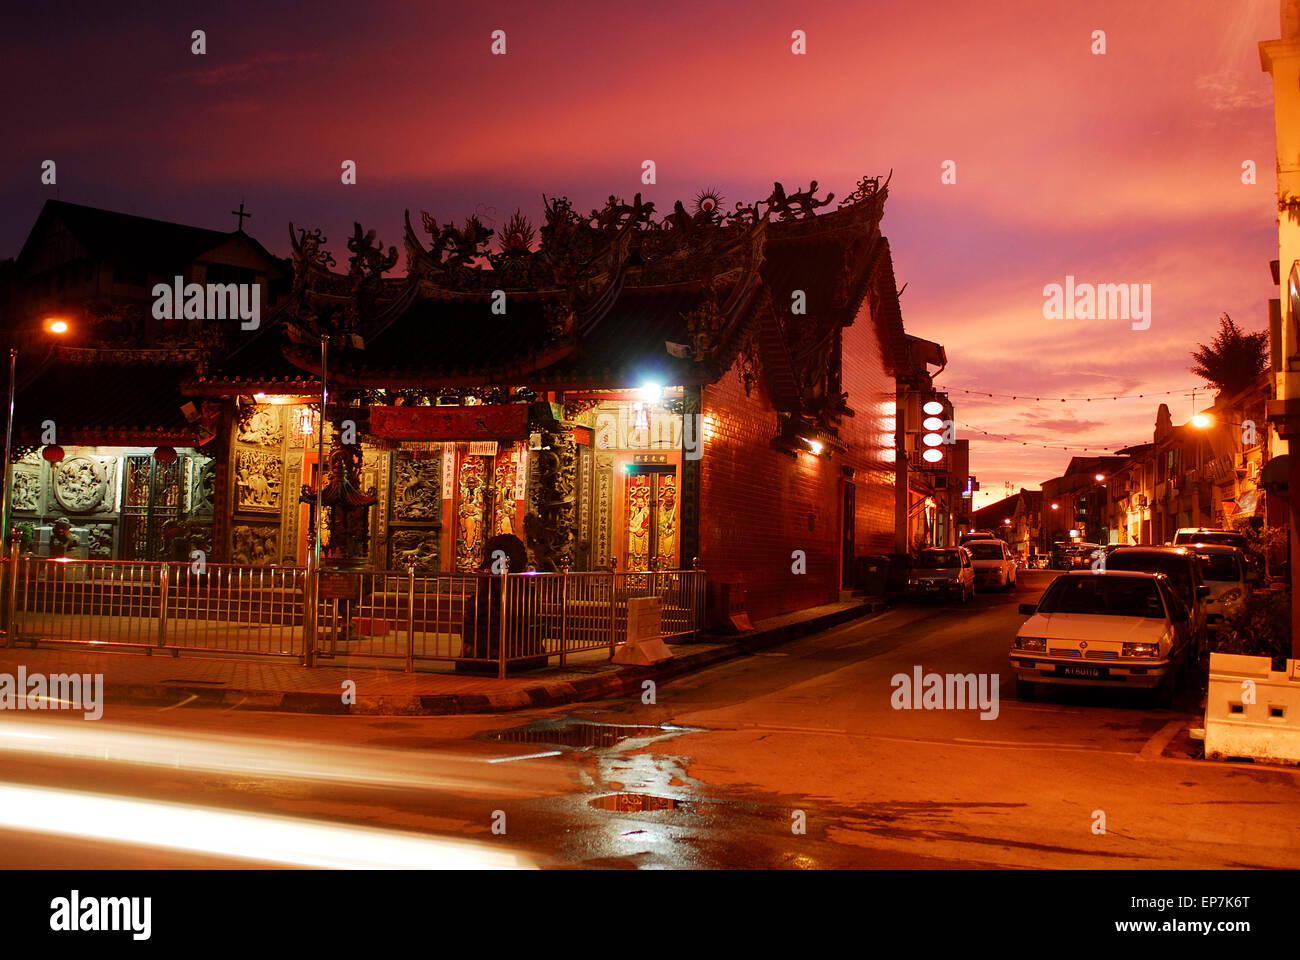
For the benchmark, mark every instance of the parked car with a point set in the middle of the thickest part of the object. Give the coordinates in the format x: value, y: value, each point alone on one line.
x: 1107, y: 629
x: 993, y: 562
x: 1185, y: 536
x: 1226, y: 573
x: 942, y: 572
x: 975, y: 535
x: 1180, y: 566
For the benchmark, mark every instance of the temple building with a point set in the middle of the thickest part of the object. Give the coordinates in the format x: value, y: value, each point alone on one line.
x: 613, y: 388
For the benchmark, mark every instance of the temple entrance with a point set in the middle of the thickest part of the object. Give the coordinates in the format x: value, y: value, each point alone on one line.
x: 486, y: 499
x: 650, y: 517
x: 150, y: 501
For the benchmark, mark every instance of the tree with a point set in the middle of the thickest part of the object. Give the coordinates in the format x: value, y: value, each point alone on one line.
x: 1233, y: 360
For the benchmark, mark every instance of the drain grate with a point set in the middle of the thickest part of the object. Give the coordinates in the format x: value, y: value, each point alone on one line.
x: 581, y: 733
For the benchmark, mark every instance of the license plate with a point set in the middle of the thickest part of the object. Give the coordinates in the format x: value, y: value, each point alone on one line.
x: 1080, y: 671
x: 932, y: 587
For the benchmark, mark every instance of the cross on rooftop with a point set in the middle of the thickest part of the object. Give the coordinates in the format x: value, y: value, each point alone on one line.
x: 241, y: 215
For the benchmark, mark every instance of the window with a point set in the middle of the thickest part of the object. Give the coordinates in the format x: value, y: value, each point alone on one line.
x: 1220, y: 566
x: 1174, y: 566
x: 1104, y: 596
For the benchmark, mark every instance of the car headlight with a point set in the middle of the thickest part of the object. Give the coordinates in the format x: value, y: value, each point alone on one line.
x: 1231, y: 596
x: 913, y: 583
x: 1031, y: 643
x: 1140, y: 650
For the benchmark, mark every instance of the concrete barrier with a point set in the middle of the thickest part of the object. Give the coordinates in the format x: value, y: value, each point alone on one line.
x: 1252, y: 710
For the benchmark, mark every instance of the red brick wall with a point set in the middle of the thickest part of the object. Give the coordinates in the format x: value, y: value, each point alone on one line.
x: 758, y: 505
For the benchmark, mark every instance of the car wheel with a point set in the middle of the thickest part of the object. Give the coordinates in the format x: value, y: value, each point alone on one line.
x: 1164, y: 695
x: 1025, y: 689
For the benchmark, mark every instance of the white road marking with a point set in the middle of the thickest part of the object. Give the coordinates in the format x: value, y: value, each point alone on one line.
x: 527, y: 756
x: 1154, y: 747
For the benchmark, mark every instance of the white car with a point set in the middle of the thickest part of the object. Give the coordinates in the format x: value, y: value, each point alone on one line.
x: 1106, y: 629
x: 994, y: 564
x: 1225, y: 572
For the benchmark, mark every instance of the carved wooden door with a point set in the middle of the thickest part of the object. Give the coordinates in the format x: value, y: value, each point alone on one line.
x: 152, y: 499
x: 650, y: 519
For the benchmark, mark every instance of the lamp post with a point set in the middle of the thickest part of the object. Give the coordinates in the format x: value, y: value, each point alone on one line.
x: 58, y: 326
x: 314, y: 556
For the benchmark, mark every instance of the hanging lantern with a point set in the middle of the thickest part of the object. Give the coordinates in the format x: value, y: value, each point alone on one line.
x: 164, y: 454
x: 53, y: 453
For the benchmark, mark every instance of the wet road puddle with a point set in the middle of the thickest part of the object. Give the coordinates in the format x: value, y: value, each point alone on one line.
x: 582, y: 734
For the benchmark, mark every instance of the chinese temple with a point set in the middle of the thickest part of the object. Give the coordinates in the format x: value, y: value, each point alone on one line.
x: 625, y: 386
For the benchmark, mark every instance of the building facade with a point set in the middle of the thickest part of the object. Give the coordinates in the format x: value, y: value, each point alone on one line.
x: 615, y: 387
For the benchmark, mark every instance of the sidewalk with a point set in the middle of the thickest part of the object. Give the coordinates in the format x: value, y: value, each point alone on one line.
x: 131, y: 678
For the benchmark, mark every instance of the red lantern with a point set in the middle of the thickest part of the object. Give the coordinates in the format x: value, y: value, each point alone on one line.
x: 164, y: 454
x: 53, y: 453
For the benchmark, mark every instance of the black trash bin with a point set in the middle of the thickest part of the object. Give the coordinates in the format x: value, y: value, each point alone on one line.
x: 873, y: 575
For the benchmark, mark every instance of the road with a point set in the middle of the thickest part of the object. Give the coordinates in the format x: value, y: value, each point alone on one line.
x: 795, y: 757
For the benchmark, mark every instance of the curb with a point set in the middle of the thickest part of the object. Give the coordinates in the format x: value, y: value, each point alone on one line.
x: 545, y: 694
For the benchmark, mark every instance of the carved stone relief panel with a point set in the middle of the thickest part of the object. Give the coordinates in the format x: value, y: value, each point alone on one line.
x: 254, y: 545
x: 417, y: 490
x: 84, y: 484
x: 203, y: 485
x: 26, y: 489
x: 257, y: 481
x: 264, y: 427
x: 99, y: 541
x: 419, y: 547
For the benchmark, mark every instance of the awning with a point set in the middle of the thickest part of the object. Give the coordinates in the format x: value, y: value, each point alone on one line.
x: 1275, y: 473
x: 1245, y: 505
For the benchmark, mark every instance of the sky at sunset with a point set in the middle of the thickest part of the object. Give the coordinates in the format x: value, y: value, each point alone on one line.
x: 1117, y: 168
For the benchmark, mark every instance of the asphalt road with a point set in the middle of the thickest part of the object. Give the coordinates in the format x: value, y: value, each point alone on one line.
x: 795, y: 757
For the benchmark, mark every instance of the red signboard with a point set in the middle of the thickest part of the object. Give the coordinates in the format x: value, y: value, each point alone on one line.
x: 502, y: 421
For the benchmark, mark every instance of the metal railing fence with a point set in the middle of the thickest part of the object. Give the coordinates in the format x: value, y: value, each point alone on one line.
x: 481, y: 620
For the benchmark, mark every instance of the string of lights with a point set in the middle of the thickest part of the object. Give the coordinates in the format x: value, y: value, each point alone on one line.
x: 1045, y: 446
x: 1027, y: 397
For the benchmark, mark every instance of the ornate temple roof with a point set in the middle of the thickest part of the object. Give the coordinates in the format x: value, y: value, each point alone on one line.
x: 605, y: 300
x: 126, y: 397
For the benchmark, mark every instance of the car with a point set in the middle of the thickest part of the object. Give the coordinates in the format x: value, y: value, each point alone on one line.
x: 1227, y: 574
x: 942, y: 572
x: 1184, y: 573
x: 1186, y: 536
x: 1109, y: 628
x: 993, y: 562
x: 976, y: 535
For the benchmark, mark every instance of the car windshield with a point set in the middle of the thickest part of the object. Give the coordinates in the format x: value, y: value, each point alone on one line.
x: 1220, y: 566
x: 937, y: 559
x: 1172, y: 565
x: 985, y: 551
x: 1217, y: 539
x: 1104, y: 596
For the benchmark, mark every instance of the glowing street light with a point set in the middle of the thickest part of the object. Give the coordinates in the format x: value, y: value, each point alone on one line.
x: 56, y: 325
x: 1056, y: 506
x: 1099, y: 477
x: 1201, y: 420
